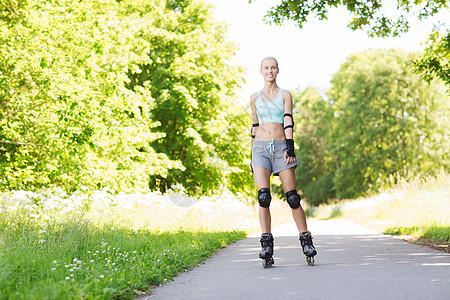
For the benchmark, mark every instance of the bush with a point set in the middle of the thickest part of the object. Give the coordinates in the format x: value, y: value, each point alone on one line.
x: 320, y: 191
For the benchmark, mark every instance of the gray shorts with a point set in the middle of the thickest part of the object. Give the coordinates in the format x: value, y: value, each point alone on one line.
x: 270, y: 155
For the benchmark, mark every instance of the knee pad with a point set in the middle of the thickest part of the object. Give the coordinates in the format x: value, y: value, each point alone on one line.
x: 264, y: 197
x: 293, y: 199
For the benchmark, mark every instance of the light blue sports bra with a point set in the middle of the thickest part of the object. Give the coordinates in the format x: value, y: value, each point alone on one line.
x: 270, y: 111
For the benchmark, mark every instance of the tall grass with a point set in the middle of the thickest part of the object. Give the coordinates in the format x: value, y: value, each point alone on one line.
x: 418, y: 207
x: 102, y: 245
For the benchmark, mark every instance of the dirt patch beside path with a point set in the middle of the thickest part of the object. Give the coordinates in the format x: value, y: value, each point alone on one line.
x: 444, y: 247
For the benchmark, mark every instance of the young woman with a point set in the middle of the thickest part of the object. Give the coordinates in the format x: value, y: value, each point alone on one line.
x: 273, y: 152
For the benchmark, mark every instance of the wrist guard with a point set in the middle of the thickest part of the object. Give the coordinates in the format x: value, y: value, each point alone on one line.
x: 290, y: 147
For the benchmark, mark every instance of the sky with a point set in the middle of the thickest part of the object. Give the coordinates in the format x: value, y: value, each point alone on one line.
x: 307, y: 56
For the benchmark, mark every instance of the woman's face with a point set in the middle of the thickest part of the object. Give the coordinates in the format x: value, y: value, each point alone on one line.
x: 269, y: 69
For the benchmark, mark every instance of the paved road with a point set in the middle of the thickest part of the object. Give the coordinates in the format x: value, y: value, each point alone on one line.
x: 352, y: 263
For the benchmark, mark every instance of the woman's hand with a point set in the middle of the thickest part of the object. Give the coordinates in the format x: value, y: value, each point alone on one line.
x: 288, y: 159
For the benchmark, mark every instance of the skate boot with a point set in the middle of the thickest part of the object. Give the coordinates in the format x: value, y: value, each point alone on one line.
x: 308, y: 247
x: 266, y: 253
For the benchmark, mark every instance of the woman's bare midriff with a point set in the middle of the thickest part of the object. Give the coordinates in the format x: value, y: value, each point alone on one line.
x: 270, y: 130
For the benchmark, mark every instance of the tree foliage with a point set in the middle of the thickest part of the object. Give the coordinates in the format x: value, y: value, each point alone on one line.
x: 66, y: 116
x: 193, y: 88
x: 377, y: 15
x: 73, y: 109
x: 380, y: 121
x: 387, y: 122
x: 380, y: 19
x: 435, y: 61
x: 313, y: 117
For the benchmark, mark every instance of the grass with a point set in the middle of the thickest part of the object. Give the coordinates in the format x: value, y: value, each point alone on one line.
x: 418, y: 208
x: 79, y: 260
x: 99, y: 245
x: 438, y: 234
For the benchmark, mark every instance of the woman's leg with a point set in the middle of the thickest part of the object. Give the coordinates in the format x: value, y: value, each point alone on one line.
x: 288, y: 180
x: 262, y: 179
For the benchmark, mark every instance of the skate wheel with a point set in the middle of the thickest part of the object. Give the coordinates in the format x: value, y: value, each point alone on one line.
x: 267, y: 262
x: 310, y: 260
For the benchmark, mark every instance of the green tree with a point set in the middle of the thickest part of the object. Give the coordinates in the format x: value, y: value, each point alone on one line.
x: 193, y: 85
x: 314, y: 173
x: 119, y: 94
x: 12, y: 11
x: 374, y: 14
x: 435, y: 61
x: 381, y: 20
x: 387, y: 122
x: 66, y: 116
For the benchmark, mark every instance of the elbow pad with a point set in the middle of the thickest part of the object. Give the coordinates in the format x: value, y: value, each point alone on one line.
x: 292, y: 118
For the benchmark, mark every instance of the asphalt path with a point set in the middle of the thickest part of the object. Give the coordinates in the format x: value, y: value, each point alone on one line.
x: 352, y: 263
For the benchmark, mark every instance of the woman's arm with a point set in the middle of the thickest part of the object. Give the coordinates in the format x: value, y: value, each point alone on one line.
x: 288, y: 119
x: 288, y: 123
x: 255, y: 122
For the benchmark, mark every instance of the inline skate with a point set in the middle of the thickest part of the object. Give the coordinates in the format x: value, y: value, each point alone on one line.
x: 308, y: 247
x: 266, y: 253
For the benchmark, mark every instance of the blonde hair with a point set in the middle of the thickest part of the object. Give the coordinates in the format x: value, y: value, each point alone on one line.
x: 269, y: 58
